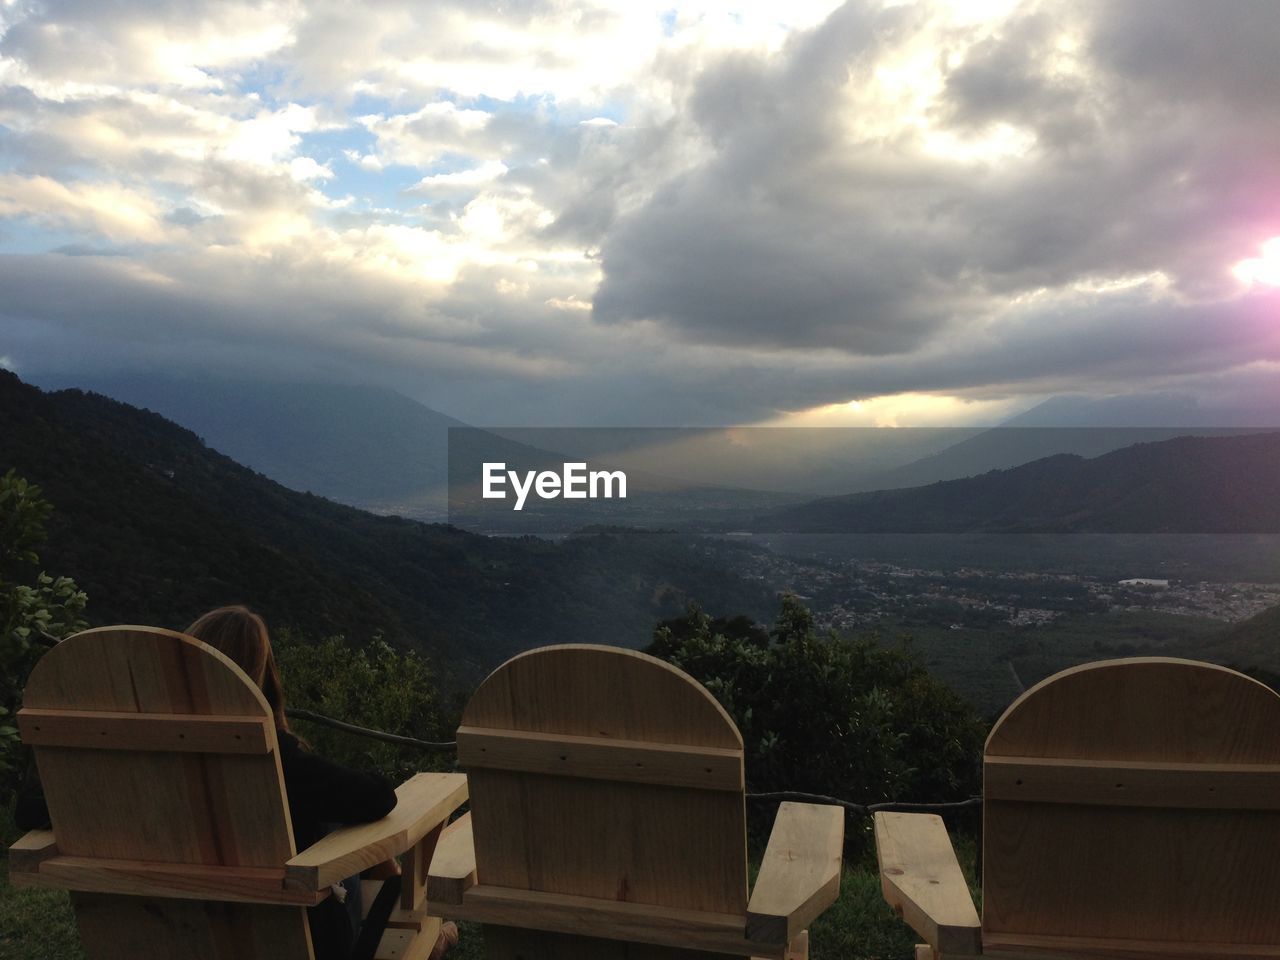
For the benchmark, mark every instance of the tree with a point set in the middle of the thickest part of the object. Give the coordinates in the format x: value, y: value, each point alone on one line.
x: 374, y: 686
x: 36, y: 609
x: 826, y: 714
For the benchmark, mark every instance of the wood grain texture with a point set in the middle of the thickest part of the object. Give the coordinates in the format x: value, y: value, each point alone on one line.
x: 186, y: 881
x: 414, y: 866
x: 176, y: 733
x: 506, y: 943
x: 612, y: 920
x: 800, y: 874
x: 181, y: 818
x: 423, y: 802
x: 922, y: 881
x: 400, y: 942
x: 132, y: 928
x: 1076, y: 948
x: 1179, y: 879
x: 453, y: 868
x: 630, y: 842
x: 31, y: 850
x: 600, y: 758
x: 218, y: 809
x: 1134, y: 783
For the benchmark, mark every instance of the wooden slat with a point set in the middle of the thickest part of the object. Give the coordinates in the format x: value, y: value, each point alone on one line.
x: 163, y: 806
x: 400, y: 942
x: 422, y: 803
x: 174, y: 732
x: 601, y: 758
x: 800, y: 874
x: 1028, y: 947
x: 417, y: 859
x: 1188, y: 870
x: 1131, y: 783
x: 180, y: 880
x: 921, y: 880
x: 31, y: 850
x: 141, y: 928
x: 453, y: 868
x: 611, y: 919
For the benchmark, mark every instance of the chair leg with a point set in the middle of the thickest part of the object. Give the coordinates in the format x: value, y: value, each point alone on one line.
x: 925, y: 952
x: 798, y: 948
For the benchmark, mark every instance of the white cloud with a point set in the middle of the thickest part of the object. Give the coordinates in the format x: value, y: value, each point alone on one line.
x: 771, y: 207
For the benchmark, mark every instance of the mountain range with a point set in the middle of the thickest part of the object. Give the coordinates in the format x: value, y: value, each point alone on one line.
x: 157, y: 527
x: 1182, y: 485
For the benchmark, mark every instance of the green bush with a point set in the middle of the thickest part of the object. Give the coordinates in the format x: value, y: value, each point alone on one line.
x: 36, y: 609
x: 831, y: 715
x: 373, y: 686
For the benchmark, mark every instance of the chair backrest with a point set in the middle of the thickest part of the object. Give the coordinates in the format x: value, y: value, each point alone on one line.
x: 605, y: 773
x: 154, y: 748
x: 1133, y: 809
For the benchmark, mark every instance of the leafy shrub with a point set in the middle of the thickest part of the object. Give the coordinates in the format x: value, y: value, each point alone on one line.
x: 831, y: 715
x: 373, y: 686
x: 36, y: 609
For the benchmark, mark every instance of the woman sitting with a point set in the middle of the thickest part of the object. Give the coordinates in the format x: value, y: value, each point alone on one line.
x: 321, y: 795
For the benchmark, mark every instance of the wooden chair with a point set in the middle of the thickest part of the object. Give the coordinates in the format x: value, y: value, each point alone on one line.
x: 1132, y: 810
x: 608, y: 821
x: 170, y: 824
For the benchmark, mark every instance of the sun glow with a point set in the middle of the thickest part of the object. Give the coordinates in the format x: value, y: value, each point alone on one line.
x: 1263, y: 269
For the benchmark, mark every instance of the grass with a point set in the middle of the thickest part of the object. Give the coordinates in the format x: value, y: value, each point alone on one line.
x: 38, y: 924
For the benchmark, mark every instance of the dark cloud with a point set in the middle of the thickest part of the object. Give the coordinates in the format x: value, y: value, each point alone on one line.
x: 792, y: 237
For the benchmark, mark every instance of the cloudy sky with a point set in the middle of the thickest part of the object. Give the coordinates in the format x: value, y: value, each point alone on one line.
x: 615, y: 212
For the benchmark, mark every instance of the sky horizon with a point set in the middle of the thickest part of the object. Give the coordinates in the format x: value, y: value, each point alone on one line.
x: 613, y: 213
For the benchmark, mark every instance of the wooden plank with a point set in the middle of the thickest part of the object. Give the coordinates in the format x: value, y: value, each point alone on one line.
x: 104, y: 730
x: 1193, y: 786
x: 612, y: 920
x: 508, y: 943
x: 1187, y: 870
x: 414, y: 866
x: 31, y: 850
x: 590, y: 690
x: 218, y: 809
x: 400, y: 943
x: 925, y: 952
x: 601, y: 758
x: 137, y: 928
x: 640, y: 842
x: 800, y: 874
x: 453, y: 868
x: 922, y: 881
x: 422, y: 803
x: 185, y: 881
x: 1028, y: 947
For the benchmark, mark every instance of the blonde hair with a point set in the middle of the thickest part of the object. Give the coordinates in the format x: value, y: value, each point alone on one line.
x: 242, y: 635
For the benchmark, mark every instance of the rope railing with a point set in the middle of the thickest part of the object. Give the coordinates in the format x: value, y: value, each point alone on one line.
x: 861, y: 809
x: 312, y: 717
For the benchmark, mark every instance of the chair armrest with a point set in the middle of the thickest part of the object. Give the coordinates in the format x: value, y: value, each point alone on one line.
x: 453, y: 868
x: 800, y: 874
x: 921, y: 880
x: 31, y: 850
x: 423, y: 802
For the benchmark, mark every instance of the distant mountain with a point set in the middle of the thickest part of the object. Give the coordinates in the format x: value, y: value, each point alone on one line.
x: 1183, y: 485
x: 1143, y: 410
x: 158, y: 527
x: 1081, y: 425
x: 366, y: 446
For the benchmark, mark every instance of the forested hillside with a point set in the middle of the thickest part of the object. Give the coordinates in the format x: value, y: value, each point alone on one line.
x: 156, y: 527
x: 1182, y: 485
